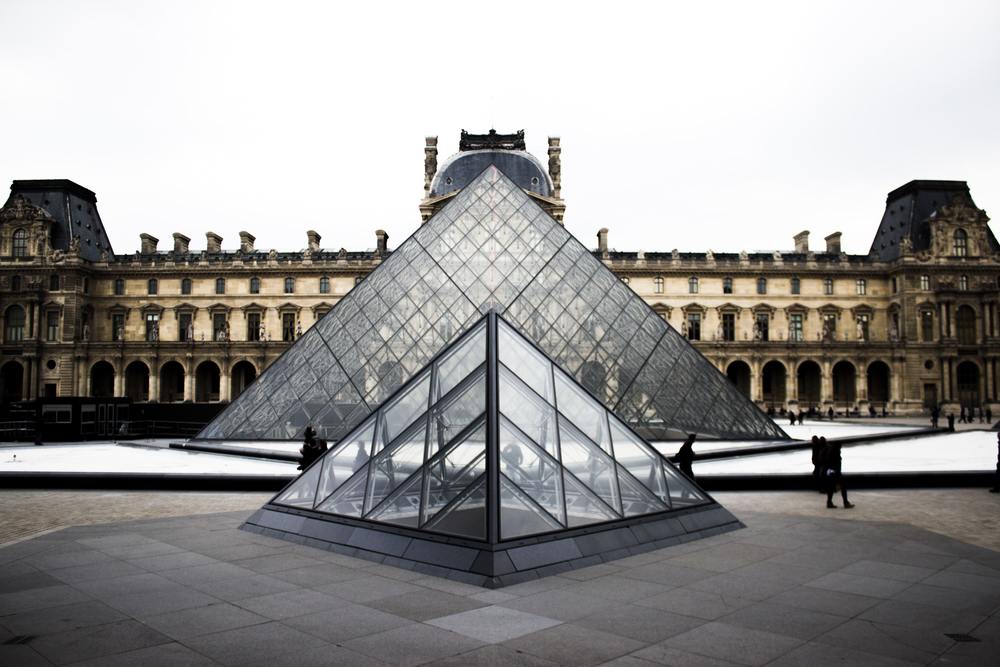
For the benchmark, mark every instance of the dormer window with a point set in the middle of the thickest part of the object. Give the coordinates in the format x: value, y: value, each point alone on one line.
x: 960, y: 247
x: 19, y: 243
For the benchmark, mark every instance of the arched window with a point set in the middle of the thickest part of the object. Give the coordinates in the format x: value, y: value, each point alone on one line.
x: 796, y: 286
x: 658, y: 284
x: 762, y: 285
x: 862, y: 286
x: 324, y: 285
x: 828, y: 286
x: 185, y: 285
x: 961, y: 243
x: 963, y: 282
x: 15, y: 283
x: 255, y: 285
x: 19, y: 243
x: 220, y: 285
x: 289, y: 285
x: 152, y: 286
x: 119, y: 286
x: 14, y: 325
x: 727, y: 285
x: 692, y: 285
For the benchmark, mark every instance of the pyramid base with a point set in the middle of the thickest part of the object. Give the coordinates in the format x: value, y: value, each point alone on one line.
x: 497, y: 565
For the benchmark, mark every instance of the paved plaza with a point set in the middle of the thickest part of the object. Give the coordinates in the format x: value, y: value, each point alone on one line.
x: 800, y: 585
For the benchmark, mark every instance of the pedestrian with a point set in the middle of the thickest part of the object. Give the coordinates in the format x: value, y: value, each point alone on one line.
x: 685, y: 456
x: 961, y: 417
x: 817, y: 460
x: 935, y: 416
x: 981, y: 417
x: 829, y: 413
x: 791, y: 417
x: 951, y: 421
x: 996, y: 479
x: 989, y: 414
x: 833, y: 474
x: 310, y: 450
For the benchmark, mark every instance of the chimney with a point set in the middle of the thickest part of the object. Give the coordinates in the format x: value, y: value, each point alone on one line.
x: 181, y: 243
x: 147, y: 244
x: 833, y: 243
x: 802, y: 241
x: 313, y: 240
x: 430, y: 163
x: 246, y: 242
x: 602, y: 241
x: 555, y: 166
x: 381, y: 243
x: 213, y: 242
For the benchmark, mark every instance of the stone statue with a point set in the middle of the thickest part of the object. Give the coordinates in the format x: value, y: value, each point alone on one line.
x: 893, y: 331
x: 120, y: 333
x: 827, y: 330
x: 298, y: 330
x: 154, y: 334
x: 86, y: 331
x: 189, y: 334
x: 74, y: 245
x: 860, y: 329
x: 756, y: 331
x: 718, y: 331
x: 684, y: 329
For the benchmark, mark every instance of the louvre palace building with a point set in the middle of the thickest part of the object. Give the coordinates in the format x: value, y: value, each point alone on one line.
x: 911, y: 324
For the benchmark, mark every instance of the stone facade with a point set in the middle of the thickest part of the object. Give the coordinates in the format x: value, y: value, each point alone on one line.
x: 913, y: 323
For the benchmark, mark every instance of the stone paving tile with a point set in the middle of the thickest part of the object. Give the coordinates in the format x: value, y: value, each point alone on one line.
x: 570, y: 644
x: 829, y: 602
x: 640, y: 623
x: 666, y: 573
x: 425, y: 604
x: 203, y: 620
x: 145, y: 550
x: 172, y: 561
x: 412, y: 644
x: 96, y: 642
x: 107, y: 569
x: 318, y: 656
x: 894, y: 571
x: 493, y: 655
x: 493, y: 596
x: 161, y: 655
x: 893, y: 641
x: 40, y: 598
x: 348, y: 622
x: 813, y: 654
x: 972, y: 583
x: 559, y: 604
x: 616, y: 588
x: 727, y: 557
x: 21, y: 656
x: 950, y: 598
x: 313, y: 576
x: 972, y: 567
x: 729, y: 642
x: 661, y: 654
x: 290, y: 603
x: 447, y: 585
x: 61, y: 619
x: 75, y: 557
x: 781, y: 619
x: 161, y: 601
x: 594, y: 571
x: 749, y: 587
x: 368, y: 588
x: 627, y: 661
x: 699, y: 604
x: 493, y: 624
x: 281, y: 562
x: 212, y: 572
x: 127, y: 585
x: 241, y: 588
x: 799, y: 574
x: 876, y: 587
x: 269, y: 643
x: 922, y: 616
x: 28, y: 580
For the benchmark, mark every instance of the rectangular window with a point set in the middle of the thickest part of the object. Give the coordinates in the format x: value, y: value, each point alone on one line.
x: 658, y: 283
x: 762, y: 327
x: 183, y: 324
x: 220, y: 328
x: 727, y: 285
x: 694, y: 326
x: 253, y: 326
x: 52, y: 325
x: 729, y: 326
x: 795, y: 327
x: 152, y: 326
x: 925, y: 283
x: 862, y: 286
x: 796, y: 286
x: 117, y: 326
x: 893, y: 284
x: 927, y: 326
x: 828, y: 286
x: 288, y: 326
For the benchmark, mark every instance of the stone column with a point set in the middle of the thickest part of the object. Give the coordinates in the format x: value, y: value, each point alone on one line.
x: 188, y: 378
x: 224, y: 381
x: 792, y: 384
x: 120, y: 377
x: 756, y: 382
x: 154, y: 379
x: 826, y: 383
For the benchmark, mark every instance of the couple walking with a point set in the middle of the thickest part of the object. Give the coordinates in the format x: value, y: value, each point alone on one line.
x: 827, y: 470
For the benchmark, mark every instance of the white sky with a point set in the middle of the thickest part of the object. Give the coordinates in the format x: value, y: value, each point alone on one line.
x: 684, y: 125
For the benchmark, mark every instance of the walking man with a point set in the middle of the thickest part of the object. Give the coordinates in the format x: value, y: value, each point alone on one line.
x: 834, y: 476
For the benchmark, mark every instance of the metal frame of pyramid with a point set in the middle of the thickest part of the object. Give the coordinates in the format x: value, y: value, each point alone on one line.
x: 491, y: 248
x: 491, y: 466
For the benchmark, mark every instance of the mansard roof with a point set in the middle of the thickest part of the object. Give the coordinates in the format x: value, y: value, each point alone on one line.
x: 74, y: 209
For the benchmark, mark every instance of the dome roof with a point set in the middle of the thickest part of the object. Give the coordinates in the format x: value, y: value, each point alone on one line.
x: 519, y: 166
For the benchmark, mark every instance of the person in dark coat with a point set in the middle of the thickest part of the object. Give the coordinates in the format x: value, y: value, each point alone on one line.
x: 961, y: 417
x: 935, y: 416
x: 310, y: 450
x: 832, y: 464
x: 951, y: 421
x: 685, y: 456
x: 791, y: 417
x: 989, y: 415
x: 829, y: 413
x: 817, y: 460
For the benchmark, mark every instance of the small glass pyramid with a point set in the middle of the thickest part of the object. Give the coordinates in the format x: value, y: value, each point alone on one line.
x: 491, y: 248
x: 492, y: 442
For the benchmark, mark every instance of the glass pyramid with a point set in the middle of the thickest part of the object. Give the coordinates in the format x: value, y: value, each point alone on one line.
x: 491, y: 248
x: 491, y: 442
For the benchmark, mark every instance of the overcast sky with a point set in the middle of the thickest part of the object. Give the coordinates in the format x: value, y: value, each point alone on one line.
x: 685, y: 125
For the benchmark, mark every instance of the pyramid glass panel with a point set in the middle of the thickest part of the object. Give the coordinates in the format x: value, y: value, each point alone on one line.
x: 534, y: 472
x: 349, y: 456
x: 491, y: 247
x: 396, y: 463
x: 448, y: 475
x: 466, y: 516
x: 519, y: 515
x: 301, y: 492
